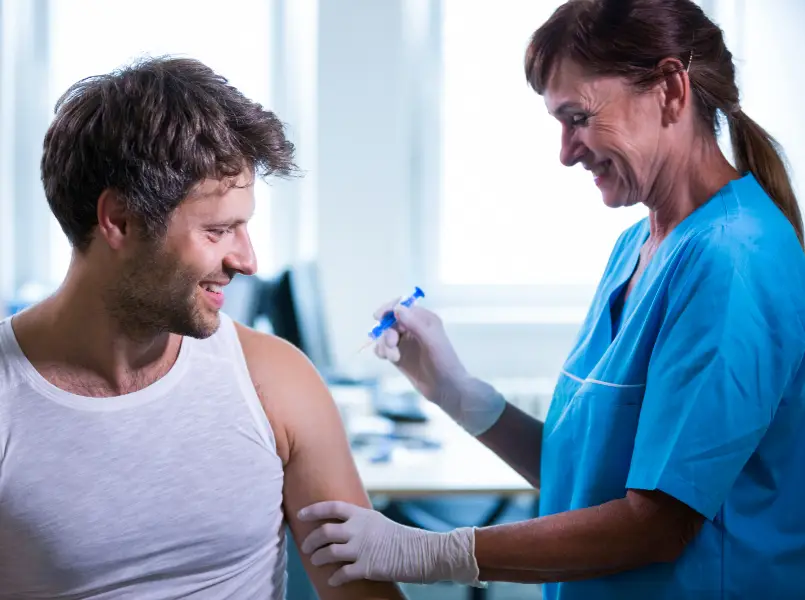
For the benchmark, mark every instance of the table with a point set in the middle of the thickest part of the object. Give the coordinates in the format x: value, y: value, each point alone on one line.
x: 461, y: 465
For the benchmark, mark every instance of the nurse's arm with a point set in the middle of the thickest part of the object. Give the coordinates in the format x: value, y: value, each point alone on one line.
x: 643, y: 528
x: 516, y: 437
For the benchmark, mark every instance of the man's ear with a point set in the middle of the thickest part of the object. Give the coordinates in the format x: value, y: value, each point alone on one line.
x: 675, y: 87
x: 115, y: 223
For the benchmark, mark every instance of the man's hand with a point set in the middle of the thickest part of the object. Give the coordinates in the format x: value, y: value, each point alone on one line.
x: 376, y: 548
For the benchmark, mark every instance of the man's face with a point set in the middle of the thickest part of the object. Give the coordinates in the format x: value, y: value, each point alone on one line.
x: 175, y: 284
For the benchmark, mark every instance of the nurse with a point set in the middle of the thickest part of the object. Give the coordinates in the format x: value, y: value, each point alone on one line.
x: 671, y: 461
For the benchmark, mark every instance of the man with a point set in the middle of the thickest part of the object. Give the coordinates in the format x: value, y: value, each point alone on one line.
x: 149, y: 446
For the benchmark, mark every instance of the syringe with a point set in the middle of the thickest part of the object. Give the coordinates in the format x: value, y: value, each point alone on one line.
x: 389, y: 319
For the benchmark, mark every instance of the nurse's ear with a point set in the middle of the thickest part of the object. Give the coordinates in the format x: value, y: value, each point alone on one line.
x: 673, y: 91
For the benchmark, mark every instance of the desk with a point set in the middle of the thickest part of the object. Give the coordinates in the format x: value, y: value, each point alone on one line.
x: 462, y: 465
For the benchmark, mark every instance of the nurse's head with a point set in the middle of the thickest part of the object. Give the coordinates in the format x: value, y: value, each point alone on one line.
x: 639, y: 87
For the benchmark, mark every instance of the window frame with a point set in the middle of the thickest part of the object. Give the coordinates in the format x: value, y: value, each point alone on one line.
x: 25, y: 115
x: 546, y: 302
x: 549, y: 301
x: 26, y: 112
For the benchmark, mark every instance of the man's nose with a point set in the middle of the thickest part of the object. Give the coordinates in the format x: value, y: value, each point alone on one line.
x: 242, y: 259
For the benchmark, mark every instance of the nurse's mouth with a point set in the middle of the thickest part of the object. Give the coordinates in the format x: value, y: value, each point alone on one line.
x: 601, y: 171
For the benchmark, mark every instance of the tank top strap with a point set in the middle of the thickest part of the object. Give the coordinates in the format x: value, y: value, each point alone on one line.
x: 230, y: 342
x: 10, y: 356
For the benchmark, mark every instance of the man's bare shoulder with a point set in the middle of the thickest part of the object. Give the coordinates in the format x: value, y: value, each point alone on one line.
x: 272, y: 354
x: 313, y: 446
x: 278, y: 366
x: 290, y: 388
x: 318, y: 460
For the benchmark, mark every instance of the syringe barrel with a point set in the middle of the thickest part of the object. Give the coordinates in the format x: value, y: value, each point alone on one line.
x: 388, y: 320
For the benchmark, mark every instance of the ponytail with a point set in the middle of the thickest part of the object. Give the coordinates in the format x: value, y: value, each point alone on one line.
x: 757, y: 152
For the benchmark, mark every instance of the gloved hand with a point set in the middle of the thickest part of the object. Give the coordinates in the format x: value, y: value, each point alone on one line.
x: 379, y: 549
x: 419, y: 347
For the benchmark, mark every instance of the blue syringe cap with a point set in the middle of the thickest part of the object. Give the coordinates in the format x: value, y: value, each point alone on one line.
x: 418, y: 293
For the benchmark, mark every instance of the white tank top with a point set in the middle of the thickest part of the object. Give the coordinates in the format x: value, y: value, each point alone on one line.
x: 173, y: 491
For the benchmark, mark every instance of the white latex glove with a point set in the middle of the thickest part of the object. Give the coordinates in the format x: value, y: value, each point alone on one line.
x: 418, y: 345
x: 375, y: 547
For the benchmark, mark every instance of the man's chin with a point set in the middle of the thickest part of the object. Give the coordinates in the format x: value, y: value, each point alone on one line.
x: 199, y: 326
x: 207, y: 328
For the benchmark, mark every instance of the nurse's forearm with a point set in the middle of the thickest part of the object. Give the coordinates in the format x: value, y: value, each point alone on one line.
x: 523, y: 576
x: 517, y: 439
x: 643, y: 528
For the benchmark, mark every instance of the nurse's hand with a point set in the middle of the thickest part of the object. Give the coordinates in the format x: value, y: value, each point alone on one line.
x: 374, y: 547
x: 418, y: 345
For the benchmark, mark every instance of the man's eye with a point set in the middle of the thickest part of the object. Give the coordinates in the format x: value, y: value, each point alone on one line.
x: 217, y: 233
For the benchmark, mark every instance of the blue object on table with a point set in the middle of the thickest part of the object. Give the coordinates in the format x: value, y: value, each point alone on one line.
x: 382, y: 445
x: 399, y: 407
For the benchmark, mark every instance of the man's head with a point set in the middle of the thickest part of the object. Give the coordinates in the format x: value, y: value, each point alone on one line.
x: 150, y: 173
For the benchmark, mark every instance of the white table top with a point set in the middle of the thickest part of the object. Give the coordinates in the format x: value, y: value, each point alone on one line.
x: 462, y: 465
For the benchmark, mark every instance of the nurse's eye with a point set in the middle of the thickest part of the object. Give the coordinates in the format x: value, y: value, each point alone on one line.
x: 579, y: 120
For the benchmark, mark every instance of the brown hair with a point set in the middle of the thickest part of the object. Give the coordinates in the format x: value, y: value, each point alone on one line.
x: 629, y: 38
x: 152, y: 131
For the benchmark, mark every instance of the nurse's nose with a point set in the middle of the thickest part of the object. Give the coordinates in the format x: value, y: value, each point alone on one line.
x: 572, y: 148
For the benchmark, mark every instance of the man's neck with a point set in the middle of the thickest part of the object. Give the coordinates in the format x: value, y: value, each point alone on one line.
x: 71, y: 337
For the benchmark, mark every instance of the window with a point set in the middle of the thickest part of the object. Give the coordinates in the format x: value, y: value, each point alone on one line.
x: 511, y: 216
x: 88, y: 37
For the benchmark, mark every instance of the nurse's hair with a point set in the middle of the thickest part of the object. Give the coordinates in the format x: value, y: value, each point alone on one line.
x: 629, y: 38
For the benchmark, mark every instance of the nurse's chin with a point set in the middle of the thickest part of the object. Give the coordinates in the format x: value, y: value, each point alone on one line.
x: 614, y: 198
x: 611, y: 192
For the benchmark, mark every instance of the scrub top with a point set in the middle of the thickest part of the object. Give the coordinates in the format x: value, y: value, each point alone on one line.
x: 693, y: 385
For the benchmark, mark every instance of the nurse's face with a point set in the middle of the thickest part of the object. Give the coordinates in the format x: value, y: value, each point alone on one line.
x: 613, y: 131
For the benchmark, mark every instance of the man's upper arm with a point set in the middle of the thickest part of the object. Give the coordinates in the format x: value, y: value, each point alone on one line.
x: 313, y: 445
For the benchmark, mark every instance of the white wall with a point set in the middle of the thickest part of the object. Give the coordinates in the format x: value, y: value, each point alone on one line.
x: 366, y: 187
x: 6, y: 151
x: 364, y: 227
x: 366, y: 184
x: 24, y: 116
x: 350, y: 87
x: 772, y: 84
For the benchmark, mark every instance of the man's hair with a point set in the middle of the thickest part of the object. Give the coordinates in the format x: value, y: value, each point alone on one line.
x: 151, y: 131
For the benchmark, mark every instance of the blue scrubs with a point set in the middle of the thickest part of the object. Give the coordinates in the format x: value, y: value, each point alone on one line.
x: 693, y: 385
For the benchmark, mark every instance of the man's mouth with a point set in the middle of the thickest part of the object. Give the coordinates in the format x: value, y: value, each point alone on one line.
x: 214, y: 293
x: 213, y: 287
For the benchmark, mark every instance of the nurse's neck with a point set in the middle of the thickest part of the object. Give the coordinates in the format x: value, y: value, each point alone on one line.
x: 686, y: 182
